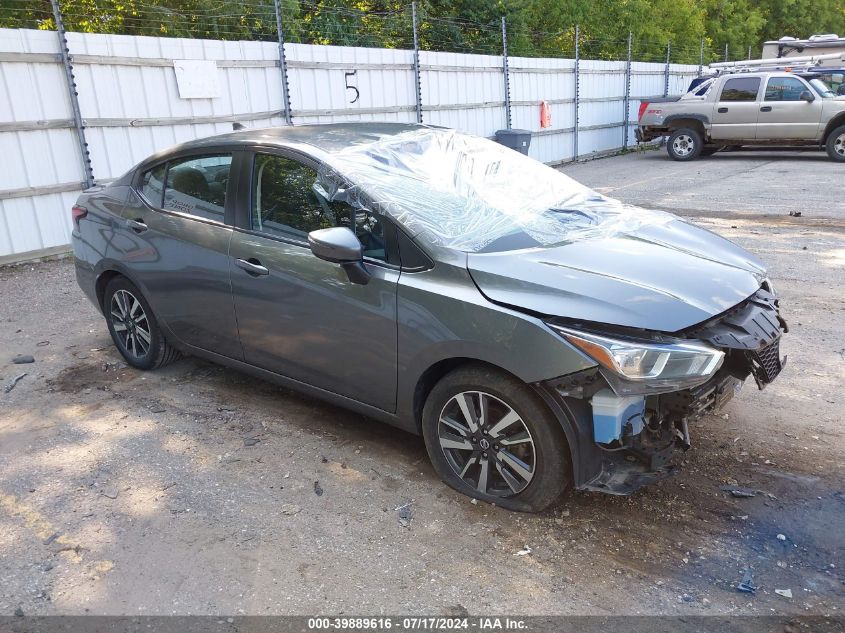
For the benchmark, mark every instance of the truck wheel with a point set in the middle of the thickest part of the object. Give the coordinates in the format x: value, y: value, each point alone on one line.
x: 836, y: 144
x: 684, y: 144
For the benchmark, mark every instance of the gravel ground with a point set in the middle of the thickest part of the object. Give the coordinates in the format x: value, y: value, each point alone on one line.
x: 199, y: 490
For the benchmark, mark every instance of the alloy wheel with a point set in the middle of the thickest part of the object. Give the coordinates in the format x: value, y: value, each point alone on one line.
x: 487, y: 444
x: 839, y: 145
x: 683, y: 145
x: 130, y: 323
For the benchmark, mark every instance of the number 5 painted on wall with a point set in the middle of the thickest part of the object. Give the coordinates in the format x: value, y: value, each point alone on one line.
x: 349, y: 87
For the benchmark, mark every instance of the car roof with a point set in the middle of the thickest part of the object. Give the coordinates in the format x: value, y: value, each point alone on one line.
x: 327, y: 137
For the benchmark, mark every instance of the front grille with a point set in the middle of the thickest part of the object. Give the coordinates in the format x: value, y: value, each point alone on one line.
x: 767, y: 363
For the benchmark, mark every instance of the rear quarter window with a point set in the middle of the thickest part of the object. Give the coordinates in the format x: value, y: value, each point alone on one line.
x: 152, y: 185
x: 741, y: 89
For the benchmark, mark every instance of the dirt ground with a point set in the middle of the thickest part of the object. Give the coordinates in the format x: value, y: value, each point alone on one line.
x: 200, y: 490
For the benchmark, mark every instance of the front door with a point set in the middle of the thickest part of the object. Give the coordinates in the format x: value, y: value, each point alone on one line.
x: 176, y: 247
x: 737, y: 108
x: 784, y: 114
x: 298, y: 315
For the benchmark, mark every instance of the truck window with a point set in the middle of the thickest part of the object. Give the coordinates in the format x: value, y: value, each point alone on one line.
x: 784, y: 89
x: 740, y: 89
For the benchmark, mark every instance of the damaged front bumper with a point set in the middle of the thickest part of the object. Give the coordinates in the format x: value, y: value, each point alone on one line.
x: 637, y: 451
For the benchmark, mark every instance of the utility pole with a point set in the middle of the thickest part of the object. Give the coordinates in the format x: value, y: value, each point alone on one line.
x: 627, y: 91
x: 283, y: 65
x: 417, y: 83
x: 506, y: 73
x: 87, y: 171
x: 577, y: 90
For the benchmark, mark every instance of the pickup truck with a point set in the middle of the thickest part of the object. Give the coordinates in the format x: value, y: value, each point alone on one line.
x: 749, y: 108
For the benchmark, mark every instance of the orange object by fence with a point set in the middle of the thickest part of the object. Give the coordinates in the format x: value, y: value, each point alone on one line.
x: 545, y: 115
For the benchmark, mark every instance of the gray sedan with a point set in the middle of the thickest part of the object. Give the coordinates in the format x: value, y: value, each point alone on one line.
x: 536, y: 334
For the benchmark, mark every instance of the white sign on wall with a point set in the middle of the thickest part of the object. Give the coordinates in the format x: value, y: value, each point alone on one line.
x: 196, y: 78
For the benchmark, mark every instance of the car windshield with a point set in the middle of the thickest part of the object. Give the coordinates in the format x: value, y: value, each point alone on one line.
x: 475, y: 195
x: 822, y: 88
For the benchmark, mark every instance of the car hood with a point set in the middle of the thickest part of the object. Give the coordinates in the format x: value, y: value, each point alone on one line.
x: 665, y: 277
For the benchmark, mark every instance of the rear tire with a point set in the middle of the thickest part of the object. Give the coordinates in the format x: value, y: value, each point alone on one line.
x: 684, y: 144
x: 134, y: 328
x: 511, y: 451
x: 836, y: 144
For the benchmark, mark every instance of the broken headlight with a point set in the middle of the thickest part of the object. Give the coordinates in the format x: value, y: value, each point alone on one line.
x: 634, y: 366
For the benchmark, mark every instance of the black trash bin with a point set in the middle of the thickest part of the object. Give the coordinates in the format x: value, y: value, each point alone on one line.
x: 520, y: 140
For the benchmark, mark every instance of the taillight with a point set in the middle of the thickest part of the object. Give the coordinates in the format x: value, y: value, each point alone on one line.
x: 77, y: 213
x: 643, y: 106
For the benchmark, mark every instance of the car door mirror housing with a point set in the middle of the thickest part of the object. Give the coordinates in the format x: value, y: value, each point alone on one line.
x: 340, y: 246
x: 807, y: 96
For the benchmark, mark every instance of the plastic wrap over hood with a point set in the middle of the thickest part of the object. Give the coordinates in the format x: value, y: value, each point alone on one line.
x: 537, y: 240
x: 474, y: 195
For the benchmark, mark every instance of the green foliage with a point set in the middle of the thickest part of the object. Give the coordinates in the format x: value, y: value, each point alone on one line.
x: 535, y: 27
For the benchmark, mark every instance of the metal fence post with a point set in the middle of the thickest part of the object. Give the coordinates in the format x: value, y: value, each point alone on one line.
x: 627, y: 91
x: 417, y: 83
x: 577, y: 90
x: 749, y: 52
x: 506, y: 73
x: 87, y: 171
x: 701, y: 58
x: 726, y: 51
x: 283, y: 65
x: 666, y: 71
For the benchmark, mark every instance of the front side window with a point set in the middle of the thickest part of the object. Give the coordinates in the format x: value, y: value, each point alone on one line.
x: 288, y: 202
x: 197, y: 185
x: 741, y: 89
x: 784, y: 89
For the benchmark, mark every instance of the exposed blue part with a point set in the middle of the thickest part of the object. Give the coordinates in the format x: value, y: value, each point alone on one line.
x: 611, y: 413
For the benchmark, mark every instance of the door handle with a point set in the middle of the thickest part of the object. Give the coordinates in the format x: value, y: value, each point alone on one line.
x: 722, y: 110
x: 138, y: 225
x: 252, y: 266
x: 766, y: 109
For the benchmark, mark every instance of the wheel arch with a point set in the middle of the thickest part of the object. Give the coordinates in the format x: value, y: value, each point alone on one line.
x: 102, y: 281
x: 834, y: 123
x: 697, y: 122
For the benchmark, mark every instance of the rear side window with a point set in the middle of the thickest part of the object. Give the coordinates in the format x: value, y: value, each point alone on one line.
x: 784, y: 89
x: 741, y: 89
x: 197, y: 185
x: 152, y: 185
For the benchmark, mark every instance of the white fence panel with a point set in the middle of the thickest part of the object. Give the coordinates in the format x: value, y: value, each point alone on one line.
x: 463, y: 91
x: 343, y: 83
x: 33, y: 99
x: 130, y: 100
x: 551, y: 80
x: 602, y: 108
x: 131, y: 105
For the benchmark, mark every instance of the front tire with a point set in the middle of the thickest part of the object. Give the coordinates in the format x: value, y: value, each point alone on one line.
x: 836, y: 144
x: 491, y: 437
x: 684, y: 144
x: 134, y: 328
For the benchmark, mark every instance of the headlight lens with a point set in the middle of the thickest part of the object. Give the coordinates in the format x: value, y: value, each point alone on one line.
x: 664, y: 366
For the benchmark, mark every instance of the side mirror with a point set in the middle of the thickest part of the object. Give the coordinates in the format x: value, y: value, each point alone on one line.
x: 340, y: 246
x: 807, y: 96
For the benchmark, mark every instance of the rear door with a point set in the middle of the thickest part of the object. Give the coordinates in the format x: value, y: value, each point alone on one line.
x: 298, y: 315
x: 784, y: 114
x: 175, y: 245
x: 737, y: 109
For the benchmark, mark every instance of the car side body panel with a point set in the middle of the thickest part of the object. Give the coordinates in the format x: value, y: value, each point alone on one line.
x: 443, y: 316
